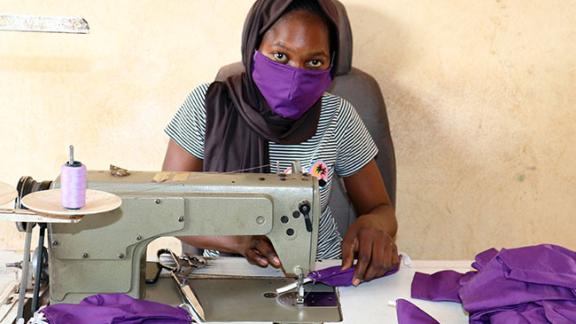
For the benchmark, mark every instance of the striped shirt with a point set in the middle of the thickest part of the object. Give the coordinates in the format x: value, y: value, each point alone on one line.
x: 341, y: 141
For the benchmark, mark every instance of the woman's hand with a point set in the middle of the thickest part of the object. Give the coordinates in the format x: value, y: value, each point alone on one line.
x: 376, y: 251
x: 258, y: 250
x: 371, y: 237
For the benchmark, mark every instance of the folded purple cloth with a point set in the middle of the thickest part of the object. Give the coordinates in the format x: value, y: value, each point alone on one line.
x: 408, y: 313
x: 521, y: 275
x: 534, y: 284
x: 548, y: 265
x: 556, y: 312
x: 333, y: 276
x: 336, y: 277
x: 482, y: 258
x: 440, y: 286
x: 113, y: 309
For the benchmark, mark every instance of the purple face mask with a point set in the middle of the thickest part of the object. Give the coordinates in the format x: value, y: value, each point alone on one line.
x: 289, y: 91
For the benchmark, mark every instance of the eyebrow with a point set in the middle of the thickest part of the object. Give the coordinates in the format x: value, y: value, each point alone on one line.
x: 320, y: 53
x: 317, y: 53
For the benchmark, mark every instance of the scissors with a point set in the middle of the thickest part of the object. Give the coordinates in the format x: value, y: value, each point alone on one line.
x: 180, y: 268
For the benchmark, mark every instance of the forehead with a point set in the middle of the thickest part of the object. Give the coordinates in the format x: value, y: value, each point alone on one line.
x: 299, y: 29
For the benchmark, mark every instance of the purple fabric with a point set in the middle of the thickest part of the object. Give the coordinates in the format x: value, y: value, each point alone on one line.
x: 440, y: 286
x: 289, y: 91
x: 523, y: 314
x: 534, y: 284
x: 115, y: 308
x: 336, y: 277
x: 333, y: 276
x: 408, y: 313
x: 560, y: 312
x: 482, y: 258
x: 504, y: 282
x: 557, y: 312
x: 555, y: 266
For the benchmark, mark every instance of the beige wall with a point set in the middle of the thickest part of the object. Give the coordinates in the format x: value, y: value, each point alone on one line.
x: 481, y: 99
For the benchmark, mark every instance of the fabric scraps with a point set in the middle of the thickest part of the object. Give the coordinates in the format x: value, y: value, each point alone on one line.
x: 408, y: 313
x: 115, y: 308
x: 534, y: 284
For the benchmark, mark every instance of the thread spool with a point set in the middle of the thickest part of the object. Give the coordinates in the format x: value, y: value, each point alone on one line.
x: 73, y: 183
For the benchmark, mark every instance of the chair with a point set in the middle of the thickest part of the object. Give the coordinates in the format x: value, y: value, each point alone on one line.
x: 363, y: 92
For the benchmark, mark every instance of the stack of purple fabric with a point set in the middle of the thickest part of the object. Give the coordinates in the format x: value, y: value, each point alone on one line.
x: 535, y: 284
x: 115, y: 309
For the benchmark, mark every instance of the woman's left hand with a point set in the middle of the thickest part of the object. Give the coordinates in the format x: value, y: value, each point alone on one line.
x: 368, y: 239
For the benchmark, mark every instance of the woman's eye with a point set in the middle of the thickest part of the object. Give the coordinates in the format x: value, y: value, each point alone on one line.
x: 280, y: 57
x: 315, y: 63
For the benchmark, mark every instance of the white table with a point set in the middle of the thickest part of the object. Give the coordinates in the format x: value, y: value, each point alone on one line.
x: 369, y: 302
x: 366, y: 304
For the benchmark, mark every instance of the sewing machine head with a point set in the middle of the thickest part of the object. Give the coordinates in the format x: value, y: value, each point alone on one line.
x: 106, y: 252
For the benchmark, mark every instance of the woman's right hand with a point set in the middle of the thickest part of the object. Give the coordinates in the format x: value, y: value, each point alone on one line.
x: 258, y: 250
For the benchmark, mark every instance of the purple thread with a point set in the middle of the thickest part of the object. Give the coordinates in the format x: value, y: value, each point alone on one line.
x: 73, y: 185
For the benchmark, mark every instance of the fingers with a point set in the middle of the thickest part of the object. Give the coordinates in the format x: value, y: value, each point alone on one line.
x: 377, y: 254
x: 349, y: 247
x: 262, y: 253
x: 266, y: 249
x: 364, y: 257
x: 394, y: 258
x: 380, y: 260
x: 254, y: 257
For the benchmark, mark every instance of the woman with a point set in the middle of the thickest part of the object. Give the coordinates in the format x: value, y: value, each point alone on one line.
x: 277, y: 112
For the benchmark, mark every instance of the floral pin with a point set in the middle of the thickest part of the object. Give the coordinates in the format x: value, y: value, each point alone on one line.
x: 319, y: 169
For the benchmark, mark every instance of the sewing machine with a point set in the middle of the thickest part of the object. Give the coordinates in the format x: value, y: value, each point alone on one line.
x: 106, y: 252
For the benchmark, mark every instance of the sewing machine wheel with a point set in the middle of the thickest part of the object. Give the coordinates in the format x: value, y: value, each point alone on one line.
x: 25, y: 186
x: 34, y: 263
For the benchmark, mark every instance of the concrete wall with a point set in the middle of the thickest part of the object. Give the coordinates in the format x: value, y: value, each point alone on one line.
x: 480, y: 97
